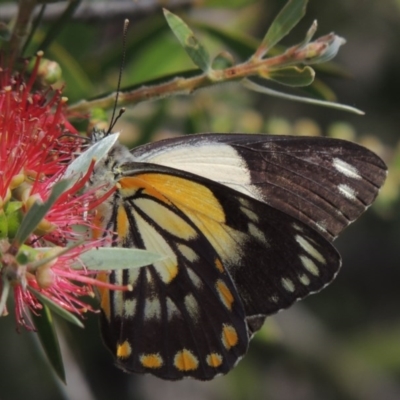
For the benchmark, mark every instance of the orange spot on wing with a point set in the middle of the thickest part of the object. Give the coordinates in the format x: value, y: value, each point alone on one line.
x: 214, y: 360
x: 229, y: 336
x: 225, y: 294
x: 152, y: 361
x: 185, y: 360
x: 124, y: 350
x: 97, y: 223
x: 122, y: 223
x: 219, y: 265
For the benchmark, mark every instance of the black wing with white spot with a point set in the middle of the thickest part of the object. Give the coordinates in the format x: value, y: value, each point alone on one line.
x: 326, y: 183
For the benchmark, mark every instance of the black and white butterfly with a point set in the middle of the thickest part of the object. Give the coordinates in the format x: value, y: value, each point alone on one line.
x: 246, y: 224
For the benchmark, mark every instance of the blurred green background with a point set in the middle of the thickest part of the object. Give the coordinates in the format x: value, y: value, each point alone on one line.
x: 340, y: 344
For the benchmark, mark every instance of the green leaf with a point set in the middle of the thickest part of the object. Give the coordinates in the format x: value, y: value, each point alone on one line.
x: 262, y: 89
x: 56, y: 308
x: 59, y: 24
x: 285, y: 21
x: 81, y: 164
x: 242, y: 44
x: 37, y: 212
x: 189, y: 42
x: 107, y: 258
x: 293, y: 76
x: 48, y: 338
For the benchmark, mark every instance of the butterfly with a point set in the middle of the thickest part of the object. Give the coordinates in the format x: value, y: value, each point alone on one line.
x: 245, y: 223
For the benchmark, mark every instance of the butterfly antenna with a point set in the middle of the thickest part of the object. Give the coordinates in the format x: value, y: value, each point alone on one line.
x: 121, y: 68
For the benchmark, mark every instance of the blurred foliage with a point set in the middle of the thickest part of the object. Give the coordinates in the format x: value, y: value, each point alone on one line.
x: 343, y: 343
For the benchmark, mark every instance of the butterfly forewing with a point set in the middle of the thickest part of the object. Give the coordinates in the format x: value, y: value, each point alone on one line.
x: 245, y: 224
x: 326, y: 183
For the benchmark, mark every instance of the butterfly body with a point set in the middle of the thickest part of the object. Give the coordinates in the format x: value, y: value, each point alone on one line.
x: 245, y: 223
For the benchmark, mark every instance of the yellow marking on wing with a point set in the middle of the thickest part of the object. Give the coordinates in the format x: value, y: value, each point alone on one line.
x: 229, y: 336
x: 152, y: 361
x: 98, y: 221
x: 166, y: 219
x: 124, y: 350
x: 178, y: 190
x: 167, y: 269
x: 224, y: 294
x: 104, y: 294
x: 219, y: 265
x: 214, y: 360
x: 198, y: 203
x: 130, y: 184
x: 185, y: 360
x: 226, y: 241
x: 122, y: 223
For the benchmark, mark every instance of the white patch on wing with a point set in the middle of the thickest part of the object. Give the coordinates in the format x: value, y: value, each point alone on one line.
x: 257, y: 233
x: 309, y: 265
x: 197, y: 282
x: 130, y: 307
x: 192, y: 306
x: 172, y: 309
x: 288, y: 284
x: 347, y: 191
x: 188, y: 252
x: 310, y: 249
x: 304, y: 279
x: 249, y: 214
x: 152, y: 309
x: 133, y: 275
x: 167, y: 269
x: 118, y: 301
x: 219, y: 162
x: 346, y: 169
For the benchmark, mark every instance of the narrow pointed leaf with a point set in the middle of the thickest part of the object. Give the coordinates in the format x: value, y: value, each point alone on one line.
x: 60, y: 24
x: 189, y: 42
x: 37, y: 212
x: 81, y: 164
x: 56, y: 308
x: 293, y: 76
x: 48, y: 338
x: 262, y: 89
x: 285, y: 21
x: 107, y: 258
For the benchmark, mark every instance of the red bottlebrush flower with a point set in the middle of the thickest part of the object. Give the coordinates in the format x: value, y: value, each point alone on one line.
x: 34, y: 154
x: 32, y: 125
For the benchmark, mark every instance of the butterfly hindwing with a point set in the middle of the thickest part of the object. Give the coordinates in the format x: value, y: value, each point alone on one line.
x: 272, y: 258
x: 183, y: 316
x: 231, y: 260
